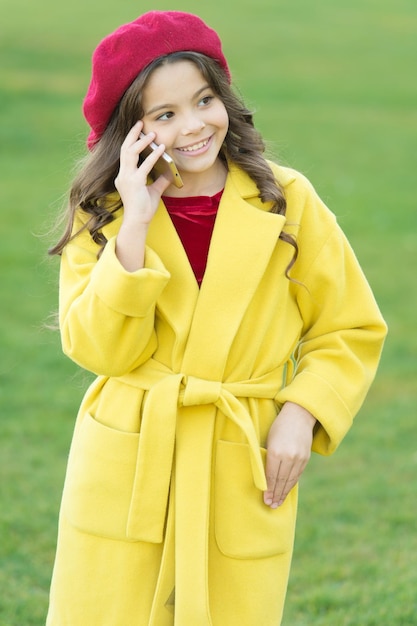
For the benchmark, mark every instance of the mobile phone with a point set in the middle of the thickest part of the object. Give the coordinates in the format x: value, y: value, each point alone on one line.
x: 165, y: 165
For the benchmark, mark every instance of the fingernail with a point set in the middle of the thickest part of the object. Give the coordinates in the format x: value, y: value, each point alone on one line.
x: 268, y: 501
x: 274, y: 505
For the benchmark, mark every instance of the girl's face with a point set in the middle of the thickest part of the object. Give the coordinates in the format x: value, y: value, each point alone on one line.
x: 192, y: 122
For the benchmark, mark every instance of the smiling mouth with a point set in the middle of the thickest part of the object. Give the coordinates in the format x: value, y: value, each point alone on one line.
x: 195, y: 147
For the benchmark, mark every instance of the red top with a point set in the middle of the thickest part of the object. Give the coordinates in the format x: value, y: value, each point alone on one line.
x: 194, y: 219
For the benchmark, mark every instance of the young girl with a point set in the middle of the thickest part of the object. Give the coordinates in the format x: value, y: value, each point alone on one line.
x: 231, y: 330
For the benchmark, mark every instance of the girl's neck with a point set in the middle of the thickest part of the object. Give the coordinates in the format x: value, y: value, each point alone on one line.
x: 200, y: 184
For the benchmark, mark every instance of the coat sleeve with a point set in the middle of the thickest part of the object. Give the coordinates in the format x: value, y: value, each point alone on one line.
x: 107, y: 314
x: 343, y: 330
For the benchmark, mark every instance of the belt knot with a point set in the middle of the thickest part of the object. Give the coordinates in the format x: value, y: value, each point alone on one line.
x: 200, y: 391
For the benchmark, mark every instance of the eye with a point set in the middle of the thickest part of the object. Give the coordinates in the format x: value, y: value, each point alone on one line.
x: 165, y: 116
x: 206, y: 100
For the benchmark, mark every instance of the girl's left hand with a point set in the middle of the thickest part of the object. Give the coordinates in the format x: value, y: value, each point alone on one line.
x: 288, y: 451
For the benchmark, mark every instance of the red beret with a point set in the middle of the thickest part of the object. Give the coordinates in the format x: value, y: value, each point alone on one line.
x: 123, y: 54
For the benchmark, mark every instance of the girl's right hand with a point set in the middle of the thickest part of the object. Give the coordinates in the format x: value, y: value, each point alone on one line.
x: 140, y: 200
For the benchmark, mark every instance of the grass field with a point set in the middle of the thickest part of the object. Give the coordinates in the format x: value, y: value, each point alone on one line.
x: 335, y: 92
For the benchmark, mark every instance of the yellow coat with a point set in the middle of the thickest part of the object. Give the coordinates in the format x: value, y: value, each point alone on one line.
x: 162, y: 520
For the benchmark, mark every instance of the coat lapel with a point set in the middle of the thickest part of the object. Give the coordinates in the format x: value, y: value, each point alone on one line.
x: 244, y: 237
x: 177, y: 301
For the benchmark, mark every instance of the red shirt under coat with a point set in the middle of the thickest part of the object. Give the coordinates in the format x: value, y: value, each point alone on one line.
x: 194, y: 220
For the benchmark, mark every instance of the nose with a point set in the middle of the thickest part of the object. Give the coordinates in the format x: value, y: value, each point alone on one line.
x: 193, y: 124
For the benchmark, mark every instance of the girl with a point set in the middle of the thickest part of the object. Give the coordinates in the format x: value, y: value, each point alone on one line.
x: 232, y: 332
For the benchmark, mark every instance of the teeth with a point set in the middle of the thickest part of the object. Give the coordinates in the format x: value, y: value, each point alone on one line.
x: 196, y: 146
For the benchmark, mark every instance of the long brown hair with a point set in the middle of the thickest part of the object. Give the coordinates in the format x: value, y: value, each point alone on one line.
x: 243, y: 146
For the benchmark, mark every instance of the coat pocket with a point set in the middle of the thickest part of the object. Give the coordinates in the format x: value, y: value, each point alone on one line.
x: 100, y: 477
x: 245, y: 528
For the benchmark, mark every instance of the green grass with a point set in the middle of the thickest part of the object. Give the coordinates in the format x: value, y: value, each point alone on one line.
x: 334, y: 89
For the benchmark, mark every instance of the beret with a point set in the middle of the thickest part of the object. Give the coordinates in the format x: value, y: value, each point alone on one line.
x: 122, y: 55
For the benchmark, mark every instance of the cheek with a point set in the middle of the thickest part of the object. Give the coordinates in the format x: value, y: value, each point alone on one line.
x: 164, y: 136
x: 222, y: 117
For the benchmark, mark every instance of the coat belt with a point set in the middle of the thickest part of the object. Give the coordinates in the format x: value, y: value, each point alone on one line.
x: 167, y: 391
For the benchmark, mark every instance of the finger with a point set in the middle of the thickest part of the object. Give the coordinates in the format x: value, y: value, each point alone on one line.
x: 272, y: 468
x: 283, y: 487
x: 133, y: 135
x: 286, y: 480
x: 149, y: 161
x: 133, y: 144
x: 281, y: 475
x: 161, y: 184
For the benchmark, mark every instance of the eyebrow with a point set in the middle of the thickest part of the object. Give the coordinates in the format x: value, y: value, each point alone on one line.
x: 160, y: 107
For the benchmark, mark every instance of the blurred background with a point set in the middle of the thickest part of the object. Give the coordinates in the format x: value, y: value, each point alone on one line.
x: 334, y: 88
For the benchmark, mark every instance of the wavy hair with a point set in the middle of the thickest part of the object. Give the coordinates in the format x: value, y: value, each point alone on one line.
x: 243, y: 146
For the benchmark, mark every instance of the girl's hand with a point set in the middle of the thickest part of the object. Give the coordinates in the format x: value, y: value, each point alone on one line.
x: 140, y: 200
x: 288, y: 451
